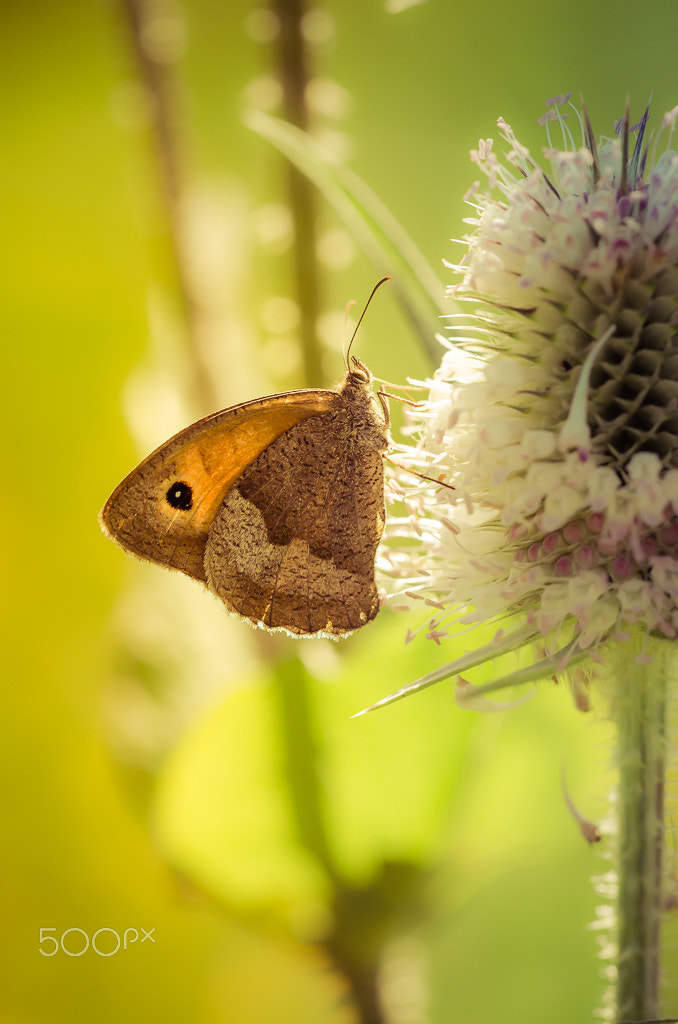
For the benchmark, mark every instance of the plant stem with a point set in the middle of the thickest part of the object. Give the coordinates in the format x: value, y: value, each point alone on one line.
x: 302, y: 758
x: 292, y: 64
x: 640, y: 710
x: 156, y: 68
x: 348, y: 943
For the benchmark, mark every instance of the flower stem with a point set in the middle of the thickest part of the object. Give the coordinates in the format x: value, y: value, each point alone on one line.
x: 640, y: 709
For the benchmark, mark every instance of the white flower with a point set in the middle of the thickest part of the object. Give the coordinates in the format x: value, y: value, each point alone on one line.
x: 554, y: 415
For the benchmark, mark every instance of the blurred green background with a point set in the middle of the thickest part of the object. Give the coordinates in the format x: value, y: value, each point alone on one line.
x: 168, y: 769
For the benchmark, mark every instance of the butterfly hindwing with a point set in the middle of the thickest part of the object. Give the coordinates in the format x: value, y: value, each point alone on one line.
x: 294, y: 543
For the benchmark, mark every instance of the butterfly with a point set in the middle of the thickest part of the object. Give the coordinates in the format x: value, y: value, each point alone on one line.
x: 276, y: 505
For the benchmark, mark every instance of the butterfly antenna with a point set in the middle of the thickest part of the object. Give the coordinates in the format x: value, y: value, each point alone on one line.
x: 372, y: 294
x: 349, y: 306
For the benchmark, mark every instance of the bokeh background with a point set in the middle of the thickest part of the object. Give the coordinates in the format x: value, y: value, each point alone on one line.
x: 164, y: 767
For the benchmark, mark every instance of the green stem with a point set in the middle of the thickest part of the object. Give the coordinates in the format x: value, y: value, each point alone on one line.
x: 349, y: 943
x: 640, y: 709
x: 302, y: 758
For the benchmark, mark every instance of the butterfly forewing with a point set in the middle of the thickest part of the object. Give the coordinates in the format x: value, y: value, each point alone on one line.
x: 164, y: 509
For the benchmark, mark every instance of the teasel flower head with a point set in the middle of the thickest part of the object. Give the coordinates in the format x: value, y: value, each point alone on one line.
x: 553, y: 418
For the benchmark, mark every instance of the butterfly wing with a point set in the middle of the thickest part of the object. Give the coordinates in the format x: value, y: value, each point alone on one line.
x: 293, y: 545
x: 164, y: 509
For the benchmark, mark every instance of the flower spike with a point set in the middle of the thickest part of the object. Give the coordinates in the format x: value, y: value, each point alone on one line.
x: 554, y: 413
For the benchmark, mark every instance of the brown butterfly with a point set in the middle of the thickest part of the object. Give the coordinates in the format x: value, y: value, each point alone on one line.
x: 277, y: 505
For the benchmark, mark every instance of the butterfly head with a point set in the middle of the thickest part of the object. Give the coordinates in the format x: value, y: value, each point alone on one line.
x: 358, y: 373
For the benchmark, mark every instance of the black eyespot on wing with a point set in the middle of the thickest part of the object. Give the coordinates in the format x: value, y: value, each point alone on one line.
x: 180, y: 495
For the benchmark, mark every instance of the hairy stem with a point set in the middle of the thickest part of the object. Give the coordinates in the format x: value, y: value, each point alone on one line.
x: 640, y: 709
